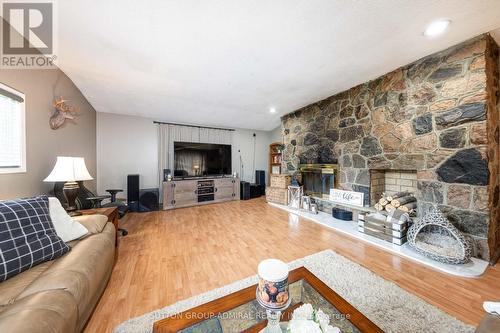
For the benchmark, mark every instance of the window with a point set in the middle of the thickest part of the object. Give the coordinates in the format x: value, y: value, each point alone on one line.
x: 12, y: 131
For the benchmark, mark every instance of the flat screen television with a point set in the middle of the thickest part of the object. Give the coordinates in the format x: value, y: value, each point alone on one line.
x: 201, y: 159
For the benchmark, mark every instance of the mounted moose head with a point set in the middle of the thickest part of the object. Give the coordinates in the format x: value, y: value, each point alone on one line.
x: 62, y: 112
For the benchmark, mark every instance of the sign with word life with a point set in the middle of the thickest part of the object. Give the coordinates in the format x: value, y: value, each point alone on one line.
x: 347, y: 197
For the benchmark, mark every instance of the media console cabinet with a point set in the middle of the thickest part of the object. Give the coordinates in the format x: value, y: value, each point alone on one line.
x: 199, y: 191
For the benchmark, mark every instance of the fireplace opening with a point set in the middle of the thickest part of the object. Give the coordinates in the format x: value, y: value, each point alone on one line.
x: 391, y: 182
x: 318, y: 179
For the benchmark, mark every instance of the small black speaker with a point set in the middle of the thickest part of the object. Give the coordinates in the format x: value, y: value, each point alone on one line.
x: 133, y: 192
x: 260, y: 177
x: 148, y: 199
x: 244, y: 191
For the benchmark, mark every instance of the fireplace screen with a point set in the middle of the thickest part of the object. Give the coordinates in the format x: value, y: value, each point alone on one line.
x: 318, y: 179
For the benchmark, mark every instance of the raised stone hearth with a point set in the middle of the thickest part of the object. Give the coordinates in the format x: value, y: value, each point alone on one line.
x: 437, y: 117
x: 473, y: 268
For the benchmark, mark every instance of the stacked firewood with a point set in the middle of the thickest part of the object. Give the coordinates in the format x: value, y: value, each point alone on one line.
x: 404, y: 201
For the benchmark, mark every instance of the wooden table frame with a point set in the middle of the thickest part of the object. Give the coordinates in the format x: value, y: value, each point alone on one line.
x: 212, y: 309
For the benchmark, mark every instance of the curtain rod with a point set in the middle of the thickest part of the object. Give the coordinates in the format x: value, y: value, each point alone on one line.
x: 217, y: 128
x: 10, y: 95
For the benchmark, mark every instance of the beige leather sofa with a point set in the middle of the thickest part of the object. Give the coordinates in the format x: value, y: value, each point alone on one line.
x: 60, y: 295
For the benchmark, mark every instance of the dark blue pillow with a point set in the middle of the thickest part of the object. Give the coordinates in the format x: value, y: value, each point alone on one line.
x: 27, y: 235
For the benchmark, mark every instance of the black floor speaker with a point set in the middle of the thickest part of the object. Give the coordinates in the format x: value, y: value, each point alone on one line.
x: 244, y: 190
x: 260, y: 177
x: 262, y: 189
x: 148, y: 199
x: 133, y: 192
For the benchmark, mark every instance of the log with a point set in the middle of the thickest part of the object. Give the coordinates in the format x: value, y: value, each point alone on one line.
x: 389, y: 208
x: 401, y: 194
x: 383, y: 201
x: 398, y: 195
x: 407, y: 208
x: 403, y: 200
x: 379, y: 207
x: 404, y: 209
x: 411, y: 205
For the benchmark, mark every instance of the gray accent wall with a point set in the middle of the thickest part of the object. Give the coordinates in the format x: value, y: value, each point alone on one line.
x: 43, y: 144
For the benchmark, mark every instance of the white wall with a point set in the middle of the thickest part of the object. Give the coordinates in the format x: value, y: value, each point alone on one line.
x: 125, y: 145
x: 276, y: 135
x: 129, y: 144
x: 244, y: 146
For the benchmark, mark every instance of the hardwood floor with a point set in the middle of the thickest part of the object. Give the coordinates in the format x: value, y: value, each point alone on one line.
x: 169, y: 256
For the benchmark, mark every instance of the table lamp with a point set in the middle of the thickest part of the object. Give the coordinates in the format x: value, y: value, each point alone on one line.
x: 69, y: 170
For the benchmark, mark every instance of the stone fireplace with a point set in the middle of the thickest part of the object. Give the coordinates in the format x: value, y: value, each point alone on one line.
x: 434, y: 121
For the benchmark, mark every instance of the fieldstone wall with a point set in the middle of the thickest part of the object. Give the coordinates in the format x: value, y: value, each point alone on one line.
x: 431, y: 116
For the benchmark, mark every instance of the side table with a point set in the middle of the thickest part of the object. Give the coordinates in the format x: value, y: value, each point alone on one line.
x: 110, y: 212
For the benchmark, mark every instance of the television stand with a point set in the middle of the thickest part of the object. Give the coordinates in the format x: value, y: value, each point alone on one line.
x: 199, y: 191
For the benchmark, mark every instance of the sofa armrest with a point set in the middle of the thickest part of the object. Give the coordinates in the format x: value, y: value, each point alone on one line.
x: 94, y: 223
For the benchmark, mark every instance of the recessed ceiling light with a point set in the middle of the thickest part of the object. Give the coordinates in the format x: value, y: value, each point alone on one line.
x: 436, y: 28
x: 272, y: 110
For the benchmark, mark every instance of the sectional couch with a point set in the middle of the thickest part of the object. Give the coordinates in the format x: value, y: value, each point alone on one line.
x: 59, y: 296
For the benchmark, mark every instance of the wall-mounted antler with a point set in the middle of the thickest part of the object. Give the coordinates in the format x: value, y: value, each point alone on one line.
x: 62, y: 112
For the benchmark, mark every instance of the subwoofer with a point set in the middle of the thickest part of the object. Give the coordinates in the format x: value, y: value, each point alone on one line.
x: 133, y: 192
x: 244, y: 190
x: 148, y: 199
x: 255, y: 191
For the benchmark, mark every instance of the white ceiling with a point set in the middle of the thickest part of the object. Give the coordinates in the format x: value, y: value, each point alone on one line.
x: 227, y: 62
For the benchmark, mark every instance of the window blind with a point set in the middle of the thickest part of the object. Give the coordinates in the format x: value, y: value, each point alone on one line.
x: 10, y: 132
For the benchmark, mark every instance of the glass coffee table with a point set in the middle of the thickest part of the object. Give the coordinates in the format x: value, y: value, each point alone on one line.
x: 240, y: 311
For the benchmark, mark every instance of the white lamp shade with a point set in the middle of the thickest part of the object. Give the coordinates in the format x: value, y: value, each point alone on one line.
x: 69, y: 169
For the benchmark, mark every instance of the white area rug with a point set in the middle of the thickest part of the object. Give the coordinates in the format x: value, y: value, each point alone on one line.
x: 387, y: 305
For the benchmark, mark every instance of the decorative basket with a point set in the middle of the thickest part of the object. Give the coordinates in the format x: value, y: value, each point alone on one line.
x: 440, y: 227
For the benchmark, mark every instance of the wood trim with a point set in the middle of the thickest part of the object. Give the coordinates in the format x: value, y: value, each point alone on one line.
x: 212, y: 309
x: 285, y: 316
